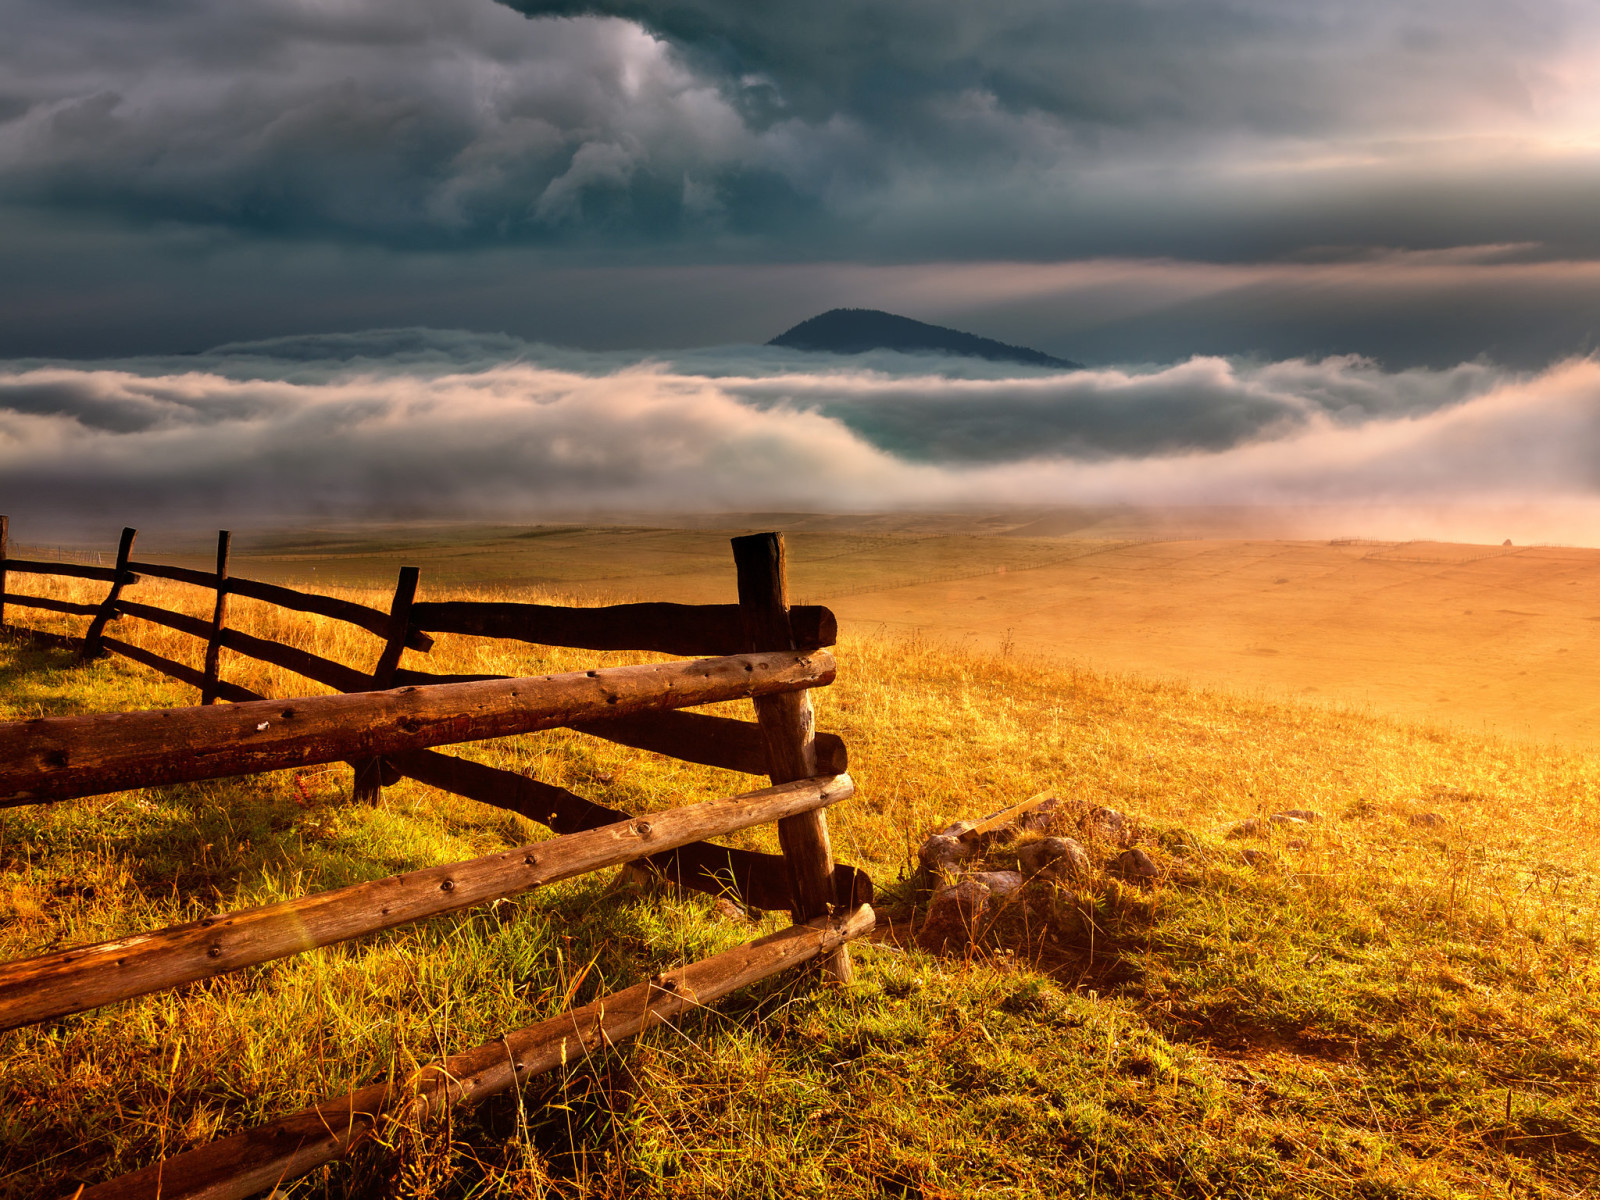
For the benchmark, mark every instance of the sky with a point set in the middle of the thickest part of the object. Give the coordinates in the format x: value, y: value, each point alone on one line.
x: 1310, y: 251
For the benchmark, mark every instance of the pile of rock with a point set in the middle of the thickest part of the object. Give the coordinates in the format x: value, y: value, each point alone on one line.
x: 1057, y: 846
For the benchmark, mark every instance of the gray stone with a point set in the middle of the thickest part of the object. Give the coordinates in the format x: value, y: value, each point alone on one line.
x: 1286, y: 819
x: 1108, y: 825
x: 953, y: 915
x: 1000, y: 883
x: 942, y: 854
x: 1038, y: 818
x: 1255, y: 858
x: 1299, y: 814
x: 1134, y: 864
x: 1061, y: 858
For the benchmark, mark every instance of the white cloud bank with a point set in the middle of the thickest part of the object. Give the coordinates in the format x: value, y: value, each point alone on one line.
x: 507, y: 432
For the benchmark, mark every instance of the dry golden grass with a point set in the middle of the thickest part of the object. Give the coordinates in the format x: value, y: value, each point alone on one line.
x: 1387, y: 1008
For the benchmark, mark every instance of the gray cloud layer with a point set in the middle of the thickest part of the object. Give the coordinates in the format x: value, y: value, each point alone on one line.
x: 423, y: 423
x: 631, y: 172
x: 1031, y: 127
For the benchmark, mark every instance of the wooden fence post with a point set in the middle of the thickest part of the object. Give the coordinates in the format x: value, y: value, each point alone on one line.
x: 373, y: 773
x: 788, y: 729
x: 5, y: 538
x: 219, y: 615
x: 108, y: 607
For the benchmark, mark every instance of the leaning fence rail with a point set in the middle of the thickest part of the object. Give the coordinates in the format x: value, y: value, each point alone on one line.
x: 387, y: 722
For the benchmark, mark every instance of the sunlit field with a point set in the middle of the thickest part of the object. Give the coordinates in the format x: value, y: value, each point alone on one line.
x: 1396, y: 999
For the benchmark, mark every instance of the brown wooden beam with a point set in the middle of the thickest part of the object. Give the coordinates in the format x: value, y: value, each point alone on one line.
x: 55, y: 758
x: 788, y: 727
x: 753, y: 879
x: 688, y: 629
x: 260, y: 1159
x: 85, y: 977
x: 108, y: 606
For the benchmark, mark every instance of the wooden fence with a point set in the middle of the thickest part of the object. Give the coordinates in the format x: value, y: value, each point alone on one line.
x: 386, y: 722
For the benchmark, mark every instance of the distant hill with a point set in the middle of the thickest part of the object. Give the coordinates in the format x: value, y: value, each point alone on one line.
x: 857, y: 330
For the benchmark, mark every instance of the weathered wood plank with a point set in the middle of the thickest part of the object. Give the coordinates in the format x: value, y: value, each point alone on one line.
x: 85, y: 977
x: 5, y: 548
x: 658, y: 628
x: 373, y: 620
x: 301, y: 662
x: 55, y: 758
x: 50, y: 604
x: 370, y: 773
x: 693, y: 737
x: 212, y: 676
x: 262, y: 1158
x: 148, y: 658
x: 161, y: 616
x: 177, y: 574
x: 28, y: 566
x: 788, y: 728
x: 756, y: 880
x: 710, y: 741
x: 108, y: 606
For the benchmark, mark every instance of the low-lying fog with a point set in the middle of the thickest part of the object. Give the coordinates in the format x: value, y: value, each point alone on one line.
x: 430, y: 424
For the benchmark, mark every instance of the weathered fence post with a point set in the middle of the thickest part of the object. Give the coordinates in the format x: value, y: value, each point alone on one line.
x: 219, y: 615
x: 108, y: 607
x: 5, y: 538
x: 371, y: 774
x: 788, y: 729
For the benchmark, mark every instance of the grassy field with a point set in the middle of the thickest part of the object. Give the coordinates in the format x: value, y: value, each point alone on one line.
x: 1397, y: 1000
x: 1504, y: 640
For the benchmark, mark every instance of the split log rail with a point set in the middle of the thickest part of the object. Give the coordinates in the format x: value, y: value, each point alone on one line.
x: 387, y: 722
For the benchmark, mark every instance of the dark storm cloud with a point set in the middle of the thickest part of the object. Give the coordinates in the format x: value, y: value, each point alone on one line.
x: 1033, y: 128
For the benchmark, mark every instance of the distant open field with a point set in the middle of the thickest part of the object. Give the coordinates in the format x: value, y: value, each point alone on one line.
x: 1481, y: 637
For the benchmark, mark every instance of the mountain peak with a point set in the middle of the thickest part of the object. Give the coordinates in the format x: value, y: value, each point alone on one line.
x: 858, y: 330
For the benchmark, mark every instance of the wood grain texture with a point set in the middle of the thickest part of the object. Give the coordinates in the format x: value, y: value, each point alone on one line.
x: 788, y: 730
x: 148, y: 658
x: 108, y: 606
x: 28, y: 566
x: 301, y: 662
x: 373, y: 620
x: 371, y: 773
x: 55, y: 758
x: 161, y: 616
x: 260, y: 1159
x: 755, y: 880
x: 219, y: 619
x: 659, y: 628
x: 51, y: 605
x: 69, y: 981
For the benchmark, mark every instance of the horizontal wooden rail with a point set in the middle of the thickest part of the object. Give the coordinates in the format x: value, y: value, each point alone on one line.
x: 688, y: 629
x: 174, y: 670
x: 373, y: 620
x: 70, y: 981
x: 301, y: 662
x: 262, y: 1158
x: 75, y: 570
x: 56, y: 758
x: 754, y: 879
x: 160, y: 616
x: 693, y: 737
x: 710, y: 741
x: 49, y: 604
